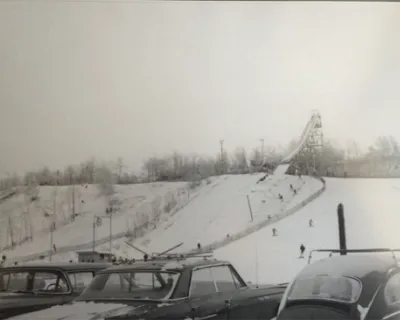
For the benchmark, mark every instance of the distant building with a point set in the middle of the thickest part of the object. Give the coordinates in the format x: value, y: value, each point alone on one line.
x: 94, y: 256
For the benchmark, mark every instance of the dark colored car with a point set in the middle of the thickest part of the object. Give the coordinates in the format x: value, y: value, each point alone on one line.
x: 32, y: 287
x: 169, y: 289
x: 365, y: 286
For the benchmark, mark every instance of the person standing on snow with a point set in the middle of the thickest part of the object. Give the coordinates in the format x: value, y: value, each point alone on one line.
x: 302, y: 249
x: 311, y: 223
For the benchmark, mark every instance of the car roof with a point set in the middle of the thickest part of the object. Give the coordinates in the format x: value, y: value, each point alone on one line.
x: 358, y: 266
x: 171, y: 265
x: 60, y: 265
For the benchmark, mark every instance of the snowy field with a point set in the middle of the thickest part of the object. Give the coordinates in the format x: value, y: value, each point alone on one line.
x: 218, y: 209
x: 372, y: 212
x: 137, y: 203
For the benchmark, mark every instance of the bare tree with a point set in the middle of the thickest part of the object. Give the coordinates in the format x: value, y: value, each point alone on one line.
x: 385, y: 146
x: 105, y: 181
x: 240, y: 160
x: 353, y: 150
x: 32, y: 187
x: 90, y: 170
x: 177, y: 161
x: 120, y: 167
x: 331, y: 153
x: 256, y: 158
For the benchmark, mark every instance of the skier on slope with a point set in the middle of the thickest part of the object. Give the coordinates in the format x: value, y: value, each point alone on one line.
x: 274, y: 231
x: 302, y: 249
x: 311, y: 223
x: 3, y: 261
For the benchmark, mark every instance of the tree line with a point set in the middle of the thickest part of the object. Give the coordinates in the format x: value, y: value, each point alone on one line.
x: 188, y: 167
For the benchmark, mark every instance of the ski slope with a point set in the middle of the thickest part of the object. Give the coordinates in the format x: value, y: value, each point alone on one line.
x: 136, y: 202
x: 372, y: 213
x: 218, y: 209
x: 222, y: 209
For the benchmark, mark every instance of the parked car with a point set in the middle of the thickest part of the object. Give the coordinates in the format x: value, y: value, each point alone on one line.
x: 169, y: 289
x: 358, y: 287
x: 31, y: 287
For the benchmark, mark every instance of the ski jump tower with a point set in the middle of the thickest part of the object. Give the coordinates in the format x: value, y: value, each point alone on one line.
x: 306, y: 154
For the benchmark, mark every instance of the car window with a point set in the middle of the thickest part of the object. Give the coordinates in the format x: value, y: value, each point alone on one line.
x: 238, y: 283
x: 131, y: 285
x: 202, y: 283
x: 80, y: 280
x: 49, y: 281
x: 14, y: 281
x: 114, y: 282
x: 392, y: 290
x: 30, y: 280
x: 326, y: 287
x: 224, y: 279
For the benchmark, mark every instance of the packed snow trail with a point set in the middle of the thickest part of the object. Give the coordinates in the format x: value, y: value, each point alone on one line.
x: 372, y: 213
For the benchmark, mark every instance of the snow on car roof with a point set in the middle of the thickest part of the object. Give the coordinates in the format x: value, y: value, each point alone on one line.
x: 59, y: 265
x: 165, y: 264
x: 357, y: 266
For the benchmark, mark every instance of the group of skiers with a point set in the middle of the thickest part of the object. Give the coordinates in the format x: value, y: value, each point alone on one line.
x: 302, y: 247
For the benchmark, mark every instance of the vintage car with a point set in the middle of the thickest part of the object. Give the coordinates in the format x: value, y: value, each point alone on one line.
x: 365, y: 286
x: 30, y: 287
x: 169, y: 289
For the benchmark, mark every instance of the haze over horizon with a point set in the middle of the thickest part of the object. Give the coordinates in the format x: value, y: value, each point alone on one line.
x: 146, y: 78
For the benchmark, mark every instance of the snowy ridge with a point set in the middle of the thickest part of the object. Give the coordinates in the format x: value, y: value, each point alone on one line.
x: 266, y: 222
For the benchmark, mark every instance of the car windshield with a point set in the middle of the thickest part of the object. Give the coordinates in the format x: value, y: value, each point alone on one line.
x: 153, y: 285
x: 32, y: 281
x: 340, y: 289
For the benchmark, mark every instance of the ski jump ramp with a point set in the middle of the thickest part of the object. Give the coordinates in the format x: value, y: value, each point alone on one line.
x: 314, y: 122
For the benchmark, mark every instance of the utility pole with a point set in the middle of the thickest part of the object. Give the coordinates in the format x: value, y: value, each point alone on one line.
x: 262, y: 150
x: 222, y: 160
x: 94, y: 233
x: 111, y: 232
x: 53, y: 221
x: 73, y: 201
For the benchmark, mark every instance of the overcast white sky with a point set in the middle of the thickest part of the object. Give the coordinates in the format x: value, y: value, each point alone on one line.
x: 143, y: 78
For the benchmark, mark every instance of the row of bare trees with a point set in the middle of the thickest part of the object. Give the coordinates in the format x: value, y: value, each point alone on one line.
x: 172, y: 167
x: 383, y: 150
x: 185, y: 167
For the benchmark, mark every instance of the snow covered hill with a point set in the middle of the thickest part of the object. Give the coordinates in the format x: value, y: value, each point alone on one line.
x: 216, y: 210
x: 138, y: 204
x: 372, y: 220
x: 221, y: 209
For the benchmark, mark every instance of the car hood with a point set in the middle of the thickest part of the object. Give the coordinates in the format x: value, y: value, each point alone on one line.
x: 80, y: 310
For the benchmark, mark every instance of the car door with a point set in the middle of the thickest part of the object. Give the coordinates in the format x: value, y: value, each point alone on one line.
x: 391, y: 300
x: 205, y: 300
